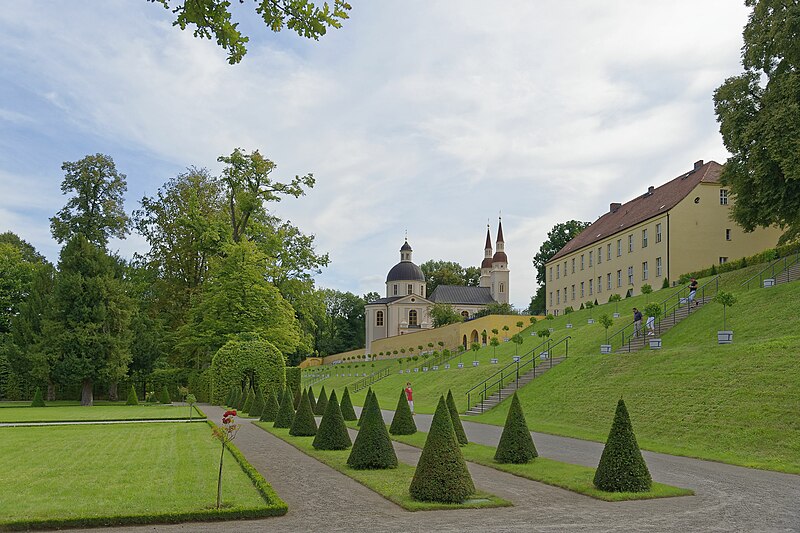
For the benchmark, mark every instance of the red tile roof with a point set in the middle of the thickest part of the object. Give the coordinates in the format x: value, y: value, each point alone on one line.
x: 651, y: 204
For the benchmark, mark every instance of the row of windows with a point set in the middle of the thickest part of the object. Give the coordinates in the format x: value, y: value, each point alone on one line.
x: 591, y: 253
x: 409, y: 289
x: 412, y: 317
x: 598, y: 287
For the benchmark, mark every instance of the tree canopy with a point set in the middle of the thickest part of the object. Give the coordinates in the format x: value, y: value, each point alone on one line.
x: 448, y: 273
x: 557, y: 238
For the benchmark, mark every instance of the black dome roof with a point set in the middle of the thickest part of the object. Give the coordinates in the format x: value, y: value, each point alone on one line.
x: 405, y: 271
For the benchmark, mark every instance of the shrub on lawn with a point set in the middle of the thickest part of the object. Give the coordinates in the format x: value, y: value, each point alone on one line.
x: 285, y: 415
x: 322, y: 402
x: 270, y: 410
x: 230, y: 397
x: 516, y: 444
x: 402, y: 422
x: 332, y: 433
x: 258, y: 404
x: 364, y: 407
x: 441, y: 474
x: 348, y: 413
x: 622, y: 468
x: 461, y: 436
x: 164, y: 396
x: 311, y: 399
x: 248, y: 402
x: 38, y: 401
x: 373, y: 447
x: 244, y: 354
x: 294, y: 376
x: 303, y: 424
x: 132, y: 398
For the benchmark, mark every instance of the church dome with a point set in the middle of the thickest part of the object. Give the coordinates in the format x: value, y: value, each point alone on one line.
x: 500, y: 257
x: 405, y: 271
x: 487, y: 262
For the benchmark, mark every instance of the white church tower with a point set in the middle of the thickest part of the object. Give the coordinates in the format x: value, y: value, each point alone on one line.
x: 499, y: 274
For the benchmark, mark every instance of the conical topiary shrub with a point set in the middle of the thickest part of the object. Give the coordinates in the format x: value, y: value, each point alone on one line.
x: 258, y: 404
x: 271, y: 406
x: 164, y: 396
x: 230, y: 397
x: 311, y: 399
x: 235, y: 398
x: 132, y: 398
x: 303, y: 424
x: 285, y: 415
x: 38, y: 401
x: 403, y: 422
x: 461, y: 436
x: 516, y: 444
x: 248, y: 403
x: 373, y: 448
x: 364, y: 408
x: 348, y: 413
x: 441, y: 474
x: 332, y: 433
x: 621, y: 467
x: 322, y: 402
x: 241, y: 399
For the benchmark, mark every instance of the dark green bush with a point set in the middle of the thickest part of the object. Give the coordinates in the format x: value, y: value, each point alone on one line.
x: 441, y: 474
x: 200, y: 385
x: 248, y: 402
x: 38, y: 401
x: 348, y: 413
x: 270, y: 410
x: 403, y: 421
x: 364, y: 408
x: 242, y: 399
x: 132, y: 398
x: 373, y: 447
x: 230, y: 397
x: 294, y: 376
x: 461, y: 436
x: 332, y: 433
x: 303, y: 424
x: 322, y: 402
x: 258, y: 404
x: 622, y: 468
x: 311, y: 399
x: 516, y: 444
x: 164, y: 396
x: 285, y: 415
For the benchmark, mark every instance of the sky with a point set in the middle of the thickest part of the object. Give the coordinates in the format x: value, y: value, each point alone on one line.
x: 429, y: 118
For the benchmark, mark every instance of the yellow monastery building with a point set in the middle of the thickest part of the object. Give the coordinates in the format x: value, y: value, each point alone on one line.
x: 677, y: 228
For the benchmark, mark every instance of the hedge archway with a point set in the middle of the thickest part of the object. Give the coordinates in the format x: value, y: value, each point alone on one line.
x: 247, y: 356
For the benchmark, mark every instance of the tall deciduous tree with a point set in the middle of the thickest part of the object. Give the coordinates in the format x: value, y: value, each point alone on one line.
x: 448, y: 273
x: 343, y: 326
x: 95, y: 208
x: 214, y: 19
x: 557, y: 238
x: 758, y: 114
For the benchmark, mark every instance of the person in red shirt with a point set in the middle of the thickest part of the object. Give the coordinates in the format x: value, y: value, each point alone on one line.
x: 410, y: 397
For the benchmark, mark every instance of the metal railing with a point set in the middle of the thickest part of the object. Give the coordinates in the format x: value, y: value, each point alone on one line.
x: 313, y: 379
x: 365, y: 382
x: 495, y: 383
x: 783, y: 264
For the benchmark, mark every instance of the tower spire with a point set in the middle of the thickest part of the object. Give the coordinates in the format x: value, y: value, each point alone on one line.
x: 500, y: 232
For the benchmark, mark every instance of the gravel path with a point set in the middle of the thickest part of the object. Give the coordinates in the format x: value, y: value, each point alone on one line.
x: 729, y: 498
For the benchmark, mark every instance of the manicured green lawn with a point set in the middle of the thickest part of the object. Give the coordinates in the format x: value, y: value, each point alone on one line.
x: 392, y: 484
x: 96, y: 413
x: 83, y: 473
x: 576, y: 478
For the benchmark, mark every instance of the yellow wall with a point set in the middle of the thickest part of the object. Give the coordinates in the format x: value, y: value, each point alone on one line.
x: 339, y: 356
x: 311, y: 361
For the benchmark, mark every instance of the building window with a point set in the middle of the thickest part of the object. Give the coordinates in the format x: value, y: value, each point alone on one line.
x: 573, y: 265
x: 558, y: 271
x: 658, y: 267
x: 551, y: 273
x: 582, y: 261
x: 619, y: 278
x: 608, y: 252
x: 644, y: 271
x: 630, y: 243
x: 658, y: 232
x: 608, y: 281
x: 599, y: 255
x: 410, y: 288
x: 644, y: 238
x: 590, y: 258
x: 591, y: 287
x: 582, y: 293
x: 599, y: 283
x: 619, y: 247
x: 422, y: 290
x: 723, y: 260
x: 630, y: 275
x: 379, y: 318
x: 412, y: 318
x: 727, y: 234
x: 573, y: 292
x: 502, y: 287
x: 551, y: 299
x: 395, y: 289
x: 558, y: 296
x: 565, y: 269
x: 723, y: 197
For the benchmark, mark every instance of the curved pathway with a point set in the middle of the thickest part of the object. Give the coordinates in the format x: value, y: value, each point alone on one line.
x: 729, y: 498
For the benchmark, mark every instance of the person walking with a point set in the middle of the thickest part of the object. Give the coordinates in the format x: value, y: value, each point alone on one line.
x: 637, y: 322
x: 692, y: 292
x: 410, y: 397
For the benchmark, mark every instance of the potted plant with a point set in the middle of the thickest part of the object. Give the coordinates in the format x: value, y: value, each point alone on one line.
x: 616, y: 299
x: 727, y: 299
x: 606, y: 321
x: 589, y: 305
x: 494, y: 343
x: 652, y: 312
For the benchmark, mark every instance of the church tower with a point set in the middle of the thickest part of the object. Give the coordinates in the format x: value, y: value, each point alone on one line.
x: 499, y: 273
x: 486, y: 265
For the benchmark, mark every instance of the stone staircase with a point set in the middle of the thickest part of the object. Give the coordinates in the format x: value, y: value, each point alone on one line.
x: 634, y: 344
x: 790, y: 274
x: 491, y: 401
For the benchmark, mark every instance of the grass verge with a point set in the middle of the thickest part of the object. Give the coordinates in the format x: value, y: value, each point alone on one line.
x: 392, y: 484
x: 96, y: 413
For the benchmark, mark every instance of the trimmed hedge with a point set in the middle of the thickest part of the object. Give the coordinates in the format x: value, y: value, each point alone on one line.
x: 200, y: 385
x: 322, y: 402
x: 516, y: 444
x: 132, y: 398
x: 258, y: 404
x: 311, y: 399
x: 38, y: 401
x: 294, y: 376
x: 348, y: 413
x: 303, y: 424
x: 270, y: 410
x: 164, y: 396
x: 403, y: 421
x: 248, y: 403
x: 364, y: 408
x: 461, y: 435
x: 240, y: 401
x: 246, y: 353
x: 285, y: 415
x: 373, y: 447
x: 622, y: 468
x: 230, y: 397
x: 441, y: 474
x: 332, y: 433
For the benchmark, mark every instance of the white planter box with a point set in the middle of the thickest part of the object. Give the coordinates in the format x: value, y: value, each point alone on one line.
x: 533, y: 333
x: 616, y: 315
x: 475, y: 363
x: 424, y: 368
x: 590, y: 321
x: 494, y: 361
x: 544, y: 355
x: 408, y: 370
x: 569, y: 326
x: 435, y: 367
x: 447, y: 366
x: 516, y: 358
x: 416, y: 369
x: 460, y: 365
x: 724, y: 337
x: 655, y: 344
x: 401, y: 370
x: 551, y: 330
x: 605, y: 348
x: 769, y: 282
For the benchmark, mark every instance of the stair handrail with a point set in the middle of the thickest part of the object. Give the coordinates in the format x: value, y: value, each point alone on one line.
x: 771, y: 267
x: 316, y: 378
x: 526, y: 354
x: 369, y: 380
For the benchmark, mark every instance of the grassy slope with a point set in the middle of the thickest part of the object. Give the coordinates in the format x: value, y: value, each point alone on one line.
x: 85, y: 471
x: 735, y: 403
x: 94, y: 413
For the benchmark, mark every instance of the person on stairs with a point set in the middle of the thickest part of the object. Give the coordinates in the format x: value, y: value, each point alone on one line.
x: 692, y: 292
x: 637, y: 322
x: 410, y: 397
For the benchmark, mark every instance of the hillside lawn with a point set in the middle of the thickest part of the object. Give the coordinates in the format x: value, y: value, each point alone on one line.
x: 121, y: 471
x: 71, y: 413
